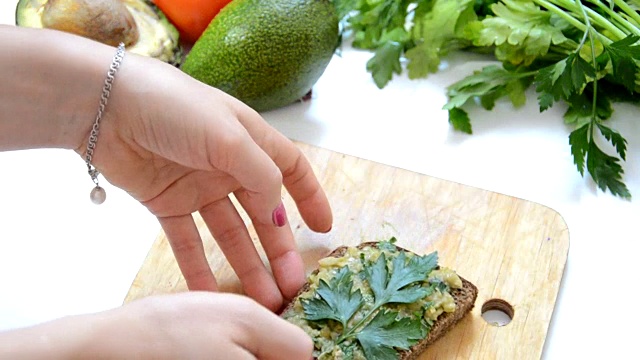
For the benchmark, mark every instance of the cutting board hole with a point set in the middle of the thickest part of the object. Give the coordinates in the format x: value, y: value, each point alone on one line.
x: 497, y: 312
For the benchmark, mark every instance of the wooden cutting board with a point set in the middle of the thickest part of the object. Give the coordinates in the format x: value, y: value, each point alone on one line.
x: 513, y: 250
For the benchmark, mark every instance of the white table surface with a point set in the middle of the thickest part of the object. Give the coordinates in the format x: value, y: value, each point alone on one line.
x: 62, y: 255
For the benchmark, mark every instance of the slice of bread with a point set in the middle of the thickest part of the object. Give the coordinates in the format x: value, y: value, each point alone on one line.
x: 464, y: 298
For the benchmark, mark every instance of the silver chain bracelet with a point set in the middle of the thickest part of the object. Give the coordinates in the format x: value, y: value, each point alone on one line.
x: 98, y: 195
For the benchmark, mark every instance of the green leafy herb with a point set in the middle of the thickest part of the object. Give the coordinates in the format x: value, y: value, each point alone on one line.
x: 434, y: 34
x: 337, y: 299
x: 585, y: 54
x: 385, y: 333
x: 385, y: 63
x: 520, y: 30
x: 388, y: 245
x: 379, y: 330
x: 459, y: 119
x: 488, y: 85
x: 390, y: 285
x: 381, y: 26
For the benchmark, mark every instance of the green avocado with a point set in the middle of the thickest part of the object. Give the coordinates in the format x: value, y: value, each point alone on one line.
x: 139, y: 24
x: 266, y: 53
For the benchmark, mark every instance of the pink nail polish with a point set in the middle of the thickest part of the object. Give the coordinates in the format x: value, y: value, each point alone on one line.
x: 279, y: 216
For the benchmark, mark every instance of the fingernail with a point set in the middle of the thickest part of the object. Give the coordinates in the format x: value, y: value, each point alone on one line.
x: 279, y: 216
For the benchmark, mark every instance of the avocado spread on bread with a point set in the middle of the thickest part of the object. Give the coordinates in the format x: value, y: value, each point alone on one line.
x: 372, y: 301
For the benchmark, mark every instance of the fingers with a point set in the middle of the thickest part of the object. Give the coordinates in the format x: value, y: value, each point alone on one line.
x: 280, y: 247
x: 298, y: 175
x: 185, y: 241
x: 270, y: 337
x: 198, y: 325
x: 304, y: 188
x: 231, y: 234
x: 278, y: 242
x: 236, y: 153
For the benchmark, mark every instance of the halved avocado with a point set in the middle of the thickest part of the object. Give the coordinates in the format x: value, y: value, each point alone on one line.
x: 143, y: 28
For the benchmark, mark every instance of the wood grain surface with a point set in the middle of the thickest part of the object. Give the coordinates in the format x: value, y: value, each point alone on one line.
x: 512, y: 249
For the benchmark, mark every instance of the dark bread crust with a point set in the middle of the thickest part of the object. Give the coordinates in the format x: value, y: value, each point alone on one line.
x: 465, y: 299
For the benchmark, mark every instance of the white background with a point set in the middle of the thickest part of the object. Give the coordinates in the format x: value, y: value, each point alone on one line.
x: 61, y: 255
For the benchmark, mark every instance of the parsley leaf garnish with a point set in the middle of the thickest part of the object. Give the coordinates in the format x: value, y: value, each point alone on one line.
x: 390, y: 285
x: 337, y: 299
x: 379, y: 330
x: 385, y: 333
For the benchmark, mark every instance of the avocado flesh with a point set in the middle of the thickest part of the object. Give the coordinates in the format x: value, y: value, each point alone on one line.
x: 266, y: 53
x: 150, y: 34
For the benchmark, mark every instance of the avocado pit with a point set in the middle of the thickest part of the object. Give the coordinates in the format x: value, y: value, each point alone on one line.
x: 139, y: 24
x: 106, y: 21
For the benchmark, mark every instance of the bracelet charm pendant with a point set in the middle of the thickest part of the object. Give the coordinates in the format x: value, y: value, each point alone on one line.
x: 98, y: 195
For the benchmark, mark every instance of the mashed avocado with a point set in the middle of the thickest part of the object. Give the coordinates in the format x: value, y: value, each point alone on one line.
x: 326, y: 333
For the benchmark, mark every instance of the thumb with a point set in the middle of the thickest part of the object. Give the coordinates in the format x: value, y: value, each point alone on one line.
x: 271, y: 337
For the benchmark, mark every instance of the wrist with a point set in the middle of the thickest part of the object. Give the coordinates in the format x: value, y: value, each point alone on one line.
x: 56, y: 83
x: 63, y: 338
x: 90, y: 336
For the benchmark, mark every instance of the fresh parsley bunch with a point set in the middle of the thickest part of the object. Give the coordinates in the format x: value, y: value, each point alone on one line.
x: 380, y: 329
x: 585, y: 54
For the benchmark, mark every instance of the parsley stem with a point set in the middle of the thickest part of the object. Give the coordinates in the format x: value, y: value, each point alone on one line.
x: 628, y: 10
x: 573, y: 21
x: 587, y: 31
x: 365, y: 319
x: 563, y: 14
x: 620, y: 22
x: 614, y: 28
x: 594, y: 107
x: 597, y: 18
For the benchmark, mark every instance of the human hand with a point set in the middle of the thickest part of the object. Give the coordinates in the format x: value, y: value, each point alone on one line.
x: 189, y: 325
x: 173, y: 143
x: 196, y: 325
x: 179, y: 146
